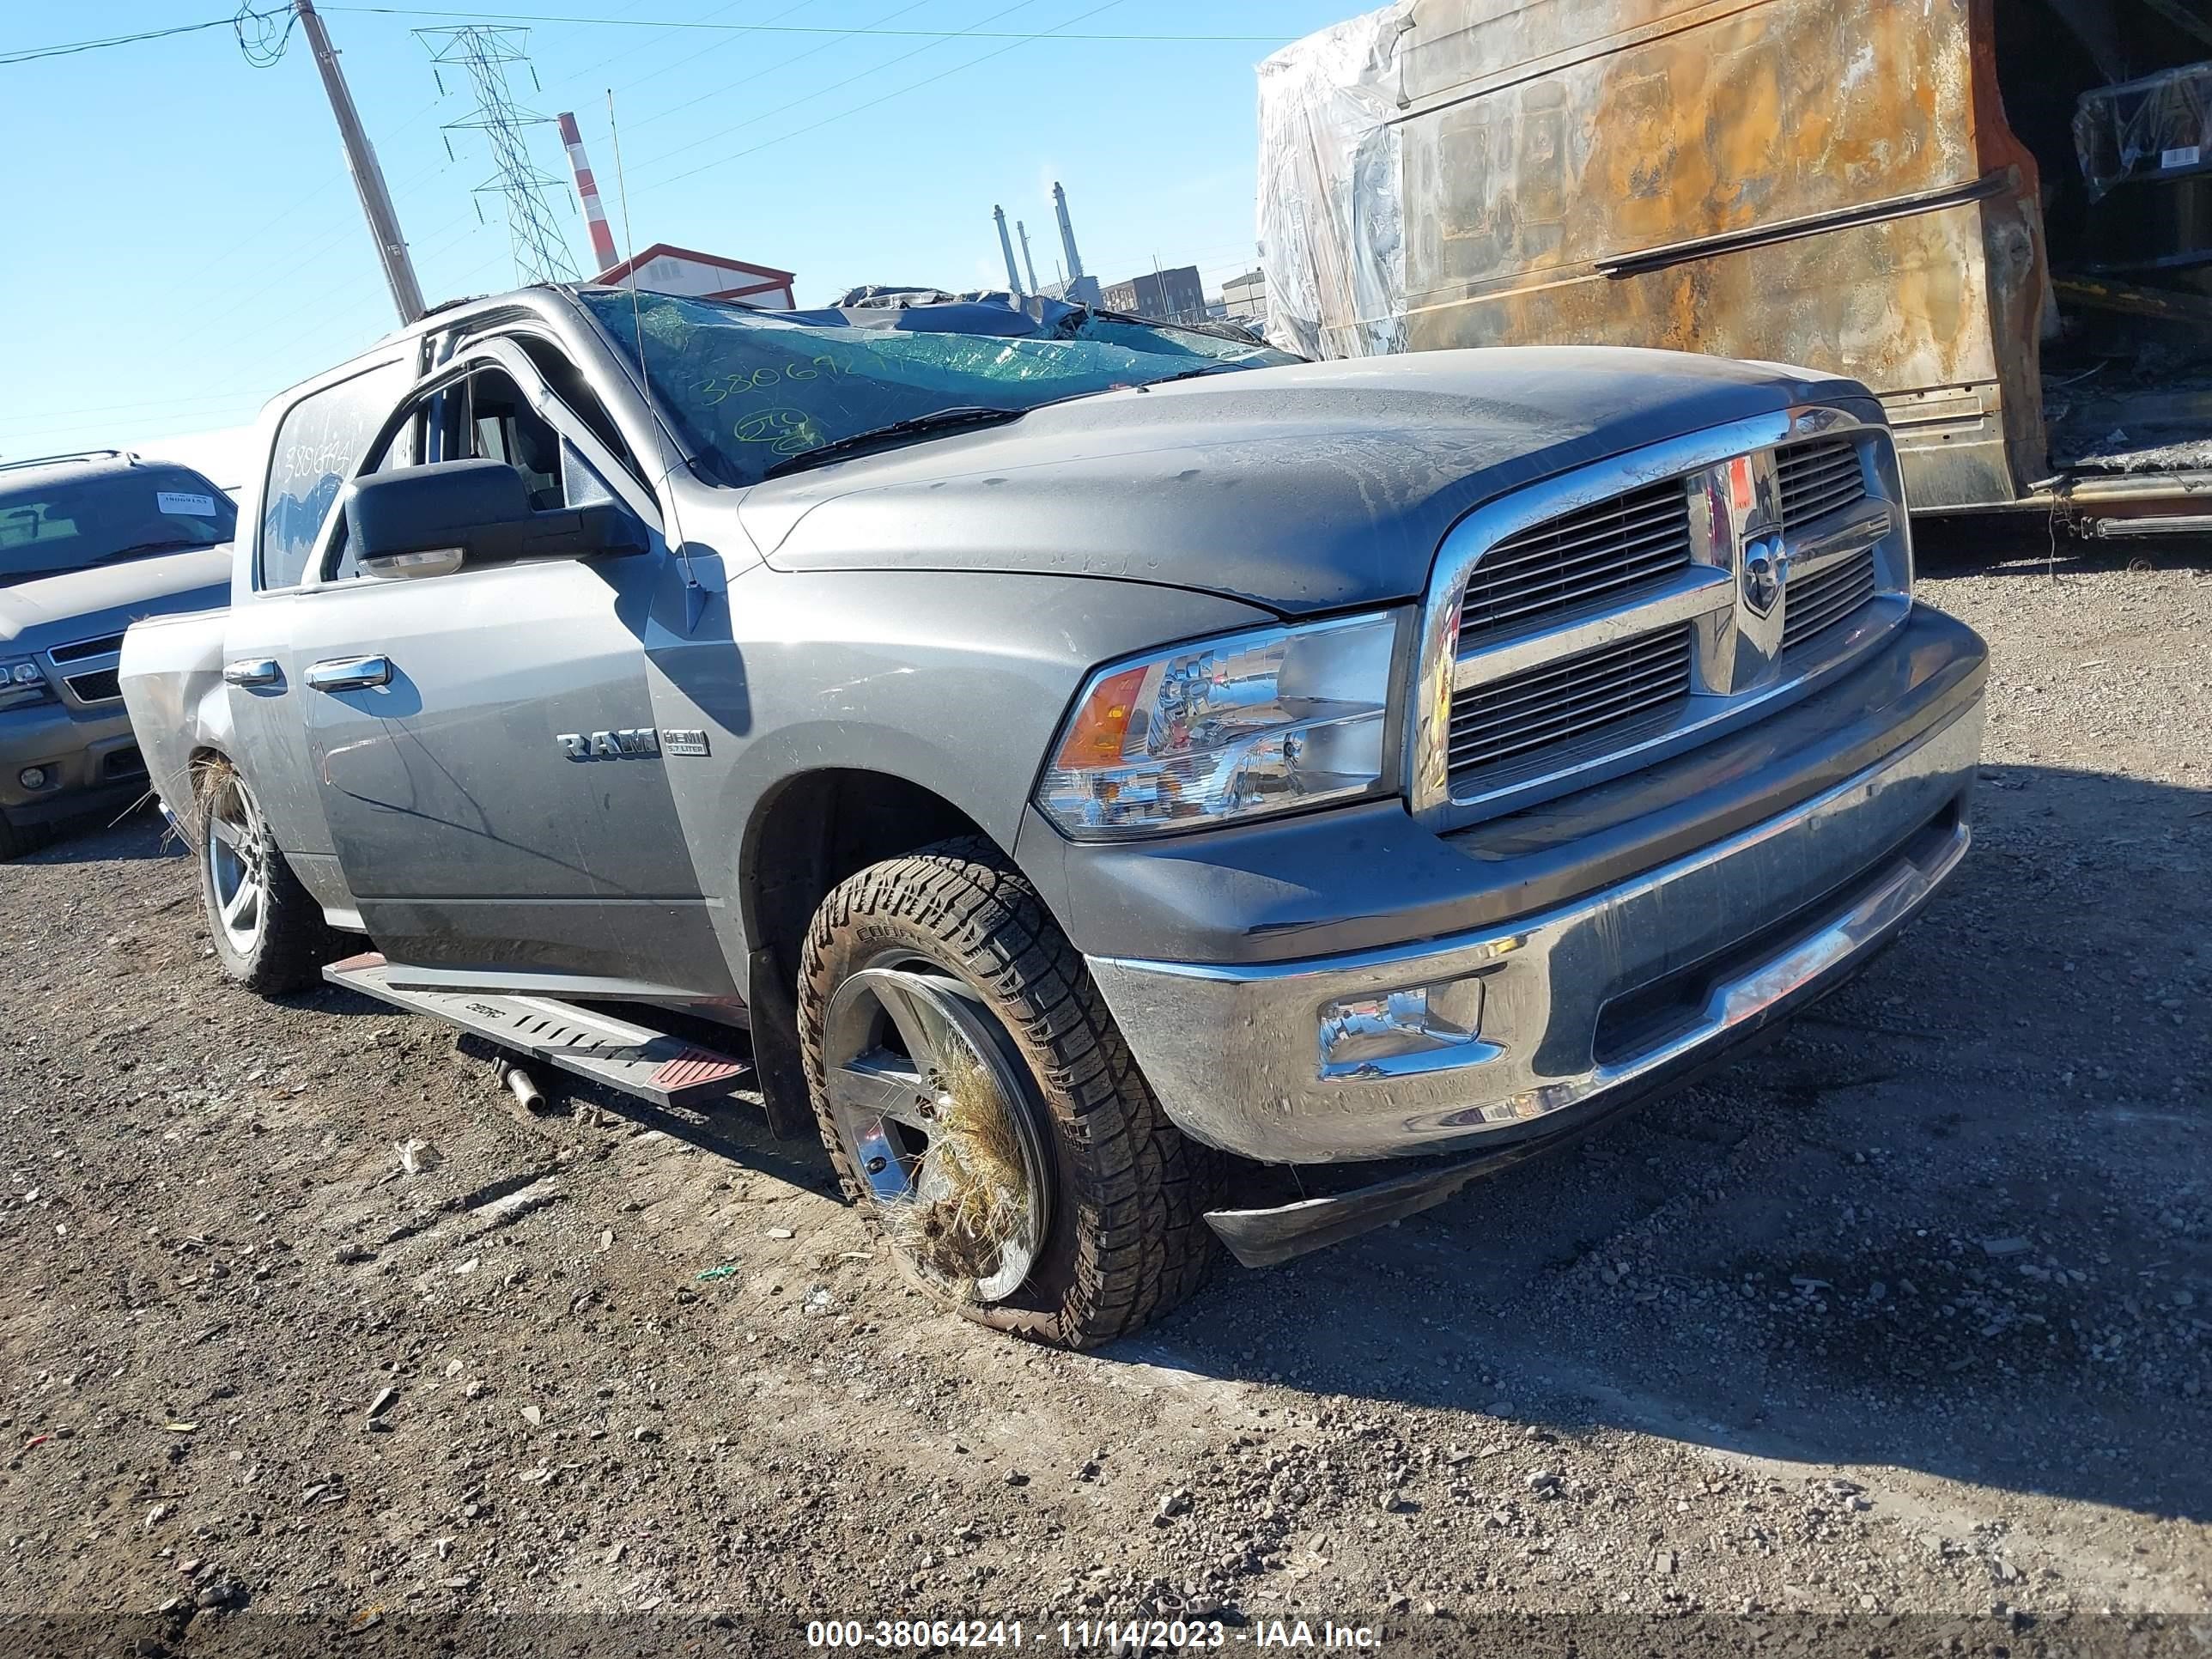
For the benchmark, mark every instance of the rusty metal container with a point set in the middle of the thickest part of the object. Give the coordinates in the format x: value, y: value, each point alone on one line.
x: 1824, y: 182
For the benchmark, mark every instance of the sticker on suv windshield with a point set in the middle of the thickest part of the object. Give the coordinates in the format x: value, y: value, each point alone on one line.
x: 183, y: 504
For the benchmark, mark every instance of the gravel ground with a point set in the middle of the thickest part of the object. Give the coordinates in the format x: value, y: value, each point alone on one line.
x: 1904, y: 1317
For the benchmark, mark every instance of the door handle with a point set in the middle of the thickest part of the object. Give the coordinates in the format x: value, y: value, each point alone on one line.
x: 252, y: 671
x: 349, y: 673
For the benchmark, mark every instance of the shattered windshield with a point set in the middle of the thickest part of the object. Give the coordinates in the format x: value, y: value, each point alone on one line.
x: 55, y: 520
x: 749, y: 391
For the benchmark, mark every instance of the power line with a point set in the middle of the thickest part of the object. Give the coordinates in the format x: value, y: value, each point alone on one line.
x: 266, y: 49
x: 238, y: 20
x: 781, y: 63
x: 246, y: 399
x: 268, y: 41
x: 901, y: 91
x: 796, y: 28
x: 598, y: 70
x: 820, y: 92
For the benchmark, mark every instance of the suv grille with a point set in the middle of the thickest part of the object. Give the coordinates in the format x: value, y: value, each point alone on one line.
x: 1593, y: 696
x: 81, y: 649
x: 1565, y: 563
x: 101, y: 685
x: 1818, y: 477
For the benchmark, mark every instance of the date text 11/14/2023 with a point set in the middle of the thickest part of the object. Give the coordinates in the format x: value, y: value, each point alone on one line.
x: 1104, y: 1635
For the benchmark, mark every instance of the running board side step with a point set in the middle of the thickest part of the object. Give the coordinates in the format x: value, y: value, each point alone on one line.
x: 2150, y: 525
x: 632, y: 1058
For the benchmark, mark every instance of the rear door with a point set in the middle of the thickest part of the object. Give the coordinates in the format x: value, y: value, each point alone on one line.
x: 485, y: 741
x: 316, y: 442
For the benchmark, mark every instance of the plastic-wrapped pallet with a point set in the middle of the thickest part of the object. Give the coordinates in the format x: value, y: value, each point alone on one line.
x: 2159, y: 126
x: 1331, y: 224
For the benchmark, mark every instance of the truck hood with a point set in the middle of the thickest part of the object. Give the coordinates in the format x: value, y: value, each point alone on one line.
x: 35, y: 616
x: 1301, y: 489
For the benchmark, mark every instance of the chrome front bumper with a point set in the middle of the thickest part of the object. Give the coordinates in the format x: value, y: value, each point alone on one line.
x: 1580, y: 1006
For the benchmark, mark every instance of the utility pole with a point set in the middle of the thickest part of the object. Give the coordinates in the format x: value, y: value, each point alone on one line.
x: 368, y: 177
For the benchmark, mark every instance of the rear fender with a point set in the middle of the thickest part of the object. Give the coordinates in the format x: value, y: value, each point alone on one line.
x: 171, y: 675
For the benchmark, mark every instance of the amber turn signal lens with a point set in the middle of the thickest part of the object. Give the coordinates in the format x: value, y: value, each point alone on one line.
x: 1095, y: 737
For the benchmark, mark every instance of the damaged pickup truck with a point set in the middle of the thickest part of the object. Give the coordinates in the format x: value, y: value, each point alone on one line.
x: 1134, y: 787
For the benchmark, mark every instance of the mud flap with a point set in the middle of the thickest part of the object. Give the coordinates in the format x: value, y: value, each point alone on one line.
x: 773, y: 997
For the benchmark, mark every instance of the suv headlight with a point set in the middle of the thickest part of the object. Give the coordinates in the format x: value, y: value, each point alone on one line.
x: 1230, y: 728
x: 22, y: 682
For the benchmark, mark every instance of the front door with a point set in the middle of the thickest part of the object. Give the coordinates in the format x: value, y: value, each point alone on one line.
x: 485, y: 741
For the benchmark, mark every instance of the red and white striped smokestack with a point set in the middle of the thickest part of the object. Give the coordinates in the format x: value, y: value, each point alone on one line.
x: 603, y: 237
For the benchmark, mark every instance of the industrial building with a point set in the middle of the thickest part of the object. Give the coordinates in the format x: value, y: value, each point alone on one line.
x: 1174, y: 295
x: 1244, y: 298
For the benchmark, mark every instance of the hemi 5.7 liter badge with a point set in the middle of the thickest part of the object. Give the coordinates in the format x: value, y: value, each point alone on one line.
x: 631, y: 743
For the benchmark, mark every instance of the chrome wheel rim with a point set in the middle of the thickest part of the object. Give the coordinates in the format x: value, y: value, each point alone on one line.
x: 237, y: 867
x: 941, y: 1121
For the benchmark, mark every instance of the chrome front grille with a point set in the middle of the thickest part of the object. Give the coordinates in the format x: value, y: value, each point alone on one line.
x: 1564, y: 706
x: 1829, y: 595
x: 1600, y: 553
x: 1817, y: 478
x: 1621, y: 613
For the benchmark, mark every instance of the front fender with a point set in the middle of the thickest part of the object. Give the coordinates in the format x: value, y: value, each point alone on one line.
x: 953, y: 682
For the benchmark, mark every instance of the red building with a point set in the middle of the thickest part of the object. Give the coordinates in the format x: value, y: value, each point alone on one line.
x: 664, y: 268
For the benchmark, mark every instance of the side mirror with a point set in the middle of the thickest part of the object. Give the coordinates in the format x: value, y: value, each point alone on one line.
x: 432, y: 520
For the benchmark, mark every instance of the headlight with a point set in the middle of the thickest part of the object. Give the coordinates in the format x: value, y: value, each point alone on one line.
x: 22, y: 682
x: 1225, y: 729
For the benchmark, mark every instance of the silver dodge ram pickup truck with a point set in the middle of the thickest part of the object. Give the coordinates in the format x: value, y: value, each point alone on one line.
x: 1140, y: 791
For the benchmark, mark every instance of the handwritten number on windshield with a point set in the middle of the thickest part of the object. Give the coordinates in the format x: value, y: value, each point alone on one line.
x: 786, y: 431
x: 720, y: 388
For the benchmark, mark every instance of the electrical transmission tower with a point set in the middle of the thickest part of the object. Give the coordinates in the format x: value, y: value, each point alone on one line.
x: 541, y: 250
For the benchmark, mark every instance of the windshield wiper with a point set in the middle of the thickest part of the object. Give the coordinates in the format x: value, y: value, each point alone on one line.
x: 1215, y: 368
x: 938, y: 420
x: 140, y: 549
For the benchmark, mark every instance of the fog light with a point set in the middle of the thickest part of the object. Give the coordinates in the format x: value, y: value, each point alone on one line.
x: 32, y: 777
x: 1408, y: 1029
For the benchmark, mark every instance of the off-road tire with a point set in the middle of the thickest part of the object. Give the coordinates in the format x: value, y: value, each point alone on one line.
x: 1129, y: 1238
x: 17, y: 840
x: 293, y: 942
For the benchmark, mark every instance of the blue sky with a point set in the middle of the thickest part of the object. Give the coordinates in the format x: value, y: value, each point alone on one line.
x: 189, y: 242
